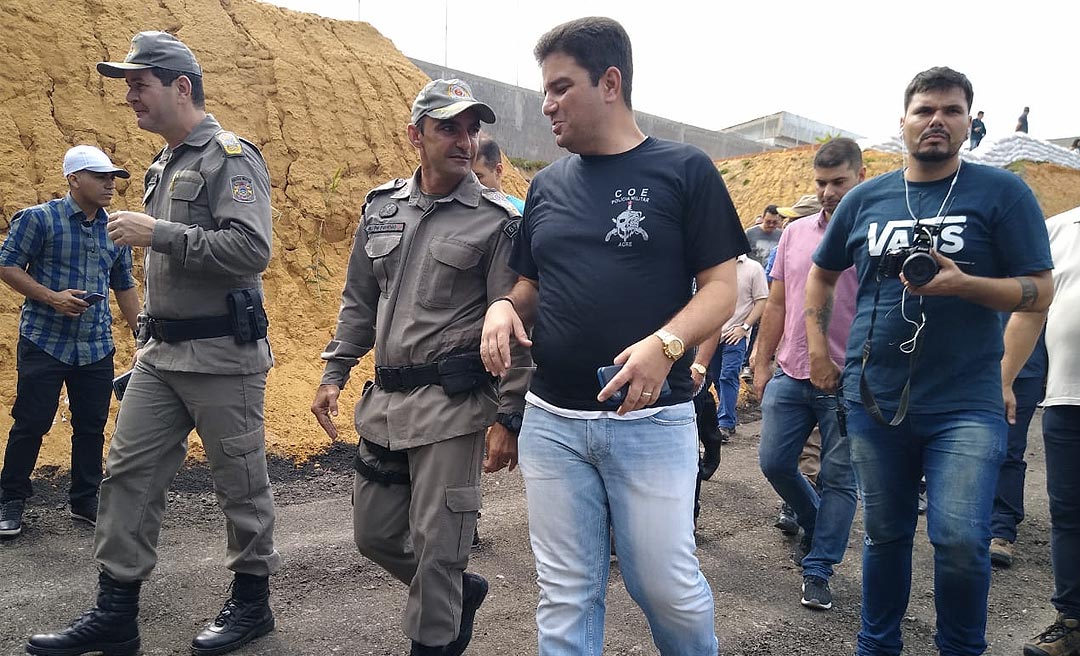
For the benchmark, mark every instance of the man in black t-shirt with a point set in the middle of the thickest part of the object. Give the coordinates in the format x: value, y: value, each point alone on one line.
x: 612, y: 237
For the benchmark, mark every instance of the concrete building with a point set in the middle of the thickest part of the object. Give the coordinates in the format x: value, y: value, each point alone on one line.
x: 786, y: 130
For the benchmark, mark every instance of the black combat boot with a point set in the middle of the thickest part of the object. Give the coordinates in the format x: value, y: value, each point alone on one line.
x: 244, y: 617
x: 111, y: 627
x: 474, y: 589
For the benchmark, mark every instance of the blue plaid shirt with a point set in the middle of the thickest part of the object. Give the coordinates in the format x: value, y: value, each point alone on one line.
x: 58, y: 249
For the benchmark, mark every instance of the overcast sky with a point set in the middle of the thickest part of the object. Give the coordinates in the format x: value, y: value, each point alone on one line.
x: 715, y: 64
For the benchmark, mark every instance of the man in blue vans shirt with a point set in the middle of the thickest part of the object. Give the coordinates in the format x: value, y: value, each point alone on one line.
x: 612, y: 237
x: 923, y: 376
x: 54, y: 255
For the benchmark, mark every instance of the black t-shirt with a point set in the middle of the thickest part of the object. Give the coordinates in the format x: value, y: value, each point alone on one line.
x: 615, y: 242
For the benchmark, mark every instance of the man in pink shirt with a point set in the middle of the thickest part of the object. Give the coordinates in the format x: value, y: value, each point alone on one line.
x: 790, y: 405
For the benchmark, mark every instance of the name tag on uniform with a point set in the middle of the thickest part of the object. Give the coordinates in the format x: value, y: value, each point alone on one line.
x: 376, y: 228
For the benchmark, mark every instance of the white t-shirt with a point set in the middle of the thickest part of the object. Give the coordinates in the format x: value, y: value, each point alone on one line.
x: 1063, y: 320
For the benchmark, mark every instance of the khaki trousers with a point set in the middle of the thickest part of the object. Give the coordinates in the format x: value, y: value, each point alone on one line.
x: 810, y: 458
x: 159, y: 410
x: 422, y: 532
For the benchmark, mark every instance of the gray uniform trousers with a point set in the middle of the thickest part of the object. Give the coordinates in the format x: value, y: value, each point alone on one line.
x: 158, y: 412
x: 422, y: 532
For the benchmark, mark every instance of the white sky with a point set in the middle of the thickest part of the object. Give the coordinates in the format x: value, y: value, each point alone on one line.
x: 715, y: 63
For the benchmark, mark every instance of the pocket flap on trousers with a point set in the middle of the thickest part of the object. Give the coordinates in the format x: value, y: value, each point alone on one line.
x: 463, y: 498
x: 242, y: 444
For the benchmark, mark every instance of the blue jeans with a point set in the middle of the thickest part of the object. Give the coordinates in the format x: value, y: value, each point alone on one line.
x: 789, y: 411
x: 1061, y: 432
x: 724, y: 371
x: 960, y: 453
x: 1009, y: 497
x: 636, y: 477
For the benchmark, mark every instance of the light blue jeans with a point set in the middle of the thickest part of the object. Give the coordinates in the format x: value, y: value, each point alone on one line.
x: 636, y: 477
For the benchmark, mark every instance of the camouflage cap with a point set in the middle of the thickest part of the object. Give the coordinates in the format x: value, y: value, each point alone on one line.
x: 442, y: 99
x: 154, y: 50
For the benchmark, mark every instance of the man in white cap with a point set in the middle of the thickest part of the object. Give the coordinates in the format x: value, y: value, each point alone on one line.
x: 60, y: 258
x: 430, y: 255
x: 202, y: 360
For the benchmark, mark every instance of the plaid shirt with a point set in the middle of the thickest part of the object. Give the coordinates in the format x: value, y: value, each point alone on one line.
x: 59, y: 250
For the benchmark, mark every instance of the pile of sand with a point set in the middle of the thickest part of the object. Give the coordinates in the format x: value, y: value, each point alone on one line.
x: 327, y: 102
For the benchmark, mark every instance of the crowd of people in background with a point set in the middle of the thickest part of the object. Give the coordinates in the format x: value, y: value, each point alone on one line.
x: 851, y: 313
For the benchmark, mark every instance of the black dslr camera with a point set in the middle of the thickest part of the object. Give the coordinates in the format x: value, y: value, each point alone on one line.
x: 915, y: 262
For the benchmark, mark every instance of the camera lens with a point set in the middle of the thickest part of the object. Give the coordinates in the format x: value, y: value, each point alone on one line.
x: 919, y: 268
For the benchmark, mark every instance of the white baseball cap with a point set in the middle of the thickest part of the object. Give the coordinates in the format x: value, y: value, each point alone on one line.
x: 88, y: 158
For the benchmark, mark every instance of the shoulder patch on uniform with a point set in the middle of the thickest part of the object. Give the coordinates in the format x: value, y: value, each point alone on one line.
x: 511, y: 227
x: 392, y: 185
x: 243, y: 189
x: 500, y: 199
x: 230, y: 143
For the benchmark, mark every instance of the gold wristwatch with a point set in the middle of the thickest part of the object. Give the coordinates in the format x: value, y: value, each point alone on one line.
x: 699, y: 368
x: 673, y: 346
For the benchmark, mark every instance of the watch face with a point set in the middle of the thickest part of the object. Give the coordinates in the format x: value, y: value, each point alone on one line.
x: 675, y: 348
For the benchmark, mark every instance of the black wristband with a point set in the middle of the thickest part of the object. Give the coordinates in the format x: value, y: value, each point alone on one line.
x: 504, y: 298
x: 512, y: 421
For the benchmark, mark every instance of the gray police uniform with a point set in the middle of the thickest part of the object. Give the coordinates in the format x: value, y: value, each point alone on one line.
x: 211, y: 198
x: 421, y: 275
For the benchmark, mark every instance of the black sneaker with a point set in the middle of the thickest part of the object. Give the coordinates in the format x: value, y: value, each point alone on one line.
x: 85, y: 510
x: 11, y: 518
x: 816, y: 593
x: 802, y: 549
x: 726, y: 434
x: 786, y: 521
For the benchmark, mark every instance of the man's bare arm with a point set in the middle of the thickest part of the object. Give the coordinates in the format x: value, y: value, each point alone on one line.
x: 128, y: 300
x: 1028, y: 293
x: 507, y: 319
x: 820, y: 290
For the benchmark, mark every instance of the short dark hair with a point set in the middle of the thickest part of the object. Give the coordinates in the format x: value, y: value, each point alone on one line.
x: 769, y: 209
x: 596, y: 44
x: 939, y: 78
x: 839, y: 151
x: 168, y: 76
x: 489, y: 152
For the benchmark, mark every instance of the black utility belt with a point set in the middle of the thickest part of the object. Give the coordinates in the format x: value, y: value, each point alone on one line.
x: 246, y: 321
x: 456, y: 374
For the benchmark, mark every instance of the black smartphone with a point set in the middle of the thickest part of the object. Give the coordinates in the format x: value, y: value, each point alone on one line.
x: 605, y: 374
x: 120, y: 383
x: 92, y: 297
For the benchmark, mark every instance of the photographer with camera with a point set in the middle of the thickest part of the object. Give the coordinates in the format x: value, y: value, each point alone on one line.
x: 940, y: 249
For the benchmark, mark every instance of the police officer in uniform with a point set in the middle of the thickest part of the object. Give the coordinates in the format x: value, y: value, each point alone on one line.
x: 430, y: 254
x: 202, y: 359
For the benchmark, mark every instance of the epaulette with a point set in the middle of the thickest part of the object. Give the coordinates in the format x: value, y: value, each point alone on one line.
x: 500, y: 199
x: 230, y: 143
x: 392, y: 185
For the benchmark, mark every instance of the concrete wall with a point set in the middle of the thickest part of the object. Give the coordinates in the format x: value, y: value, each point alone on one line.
x: 523, y: 131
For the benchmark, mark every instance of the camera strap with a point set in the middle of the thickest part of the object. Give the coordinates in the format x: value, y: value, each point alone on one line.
x: 867, y: 396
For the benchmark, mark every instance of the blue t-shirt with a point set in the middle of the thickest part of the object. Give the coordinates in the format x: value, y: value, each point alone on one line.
x: 516, y: 202
x: 992, y: 227
x: 614, y: 242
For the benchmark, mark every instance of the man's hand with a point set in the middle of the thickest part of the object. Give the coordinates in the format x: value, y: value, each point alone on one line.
x: 949, y: 281
x: 762, y: 376
x: 131, y: 228
x: 824, y: 374
x: 135, y: 358
x: 502, y: 449
x: 699, y: 381
x: 324, y: 407
x: 645, y: 367
x: 733, y: 335
x: 1010, y: 403
x: 68, y: 302
x: 500, y: 324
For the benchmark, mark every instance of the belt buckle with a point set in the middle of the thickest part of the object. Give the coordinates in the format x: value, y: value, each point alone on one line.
x: 390, y: 379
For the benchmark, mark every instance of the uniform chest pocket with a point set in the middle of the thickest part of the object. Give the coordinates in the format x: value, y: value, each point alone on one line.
x: 188, y: 200
x: 450, y: 275
x: 385, y: 256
